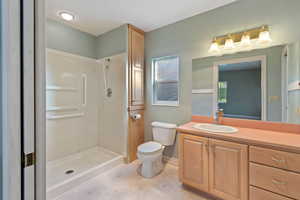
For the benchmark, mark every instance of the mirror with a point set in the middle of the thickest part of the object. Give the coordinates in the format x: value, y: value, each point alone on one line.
x: 261, y: 84
x: 241, y: 88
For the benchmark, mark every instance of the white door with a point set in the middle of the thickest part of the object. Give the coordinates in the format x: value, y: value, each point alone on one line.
x: 33, y: 99
x: 10, y: 99
x: 18, y: 93
x: 22, y: 88
x: 28, y: 98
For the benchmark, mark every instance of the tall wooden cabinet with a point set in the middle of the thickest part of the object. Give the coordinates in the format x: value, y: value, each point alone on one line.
x: 214, y: 166
x: 136, y: 69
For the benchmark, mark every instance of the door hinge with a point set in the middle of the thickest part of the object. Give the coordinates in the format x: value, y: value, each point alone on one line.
x: 28, y: 159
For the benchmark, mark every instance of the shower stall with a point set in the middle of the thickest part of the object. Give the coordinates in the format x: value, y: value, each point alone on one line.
x: 86, y: 118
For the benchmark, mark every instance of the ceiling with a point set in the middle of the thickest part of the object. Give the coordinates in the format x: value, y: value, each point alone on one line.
x: 99, y: 16
x: 240, y: 66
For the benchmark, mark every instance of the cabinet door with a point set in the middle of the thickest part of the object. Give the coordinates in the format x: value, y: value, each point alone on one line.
x: 228, y: 170
x: 193, y: 165
x: 136, y: 57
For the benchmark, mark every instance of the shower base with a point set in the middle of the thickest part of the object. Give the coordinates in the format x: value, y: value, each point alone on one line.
x: 68, y: 172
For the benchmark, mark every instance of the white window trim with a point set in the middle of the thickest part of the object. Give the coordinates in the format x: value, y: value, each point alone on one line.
x: 226, y: 92
x: 164, y: 103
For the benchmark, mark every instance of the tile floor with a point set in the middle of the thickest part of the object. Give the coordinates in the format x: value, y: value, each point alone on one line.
x: 123, y: 183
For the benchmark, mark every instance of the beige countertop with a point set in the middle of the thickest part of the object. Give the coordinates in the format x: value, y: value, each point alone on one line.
x: 274, y: 139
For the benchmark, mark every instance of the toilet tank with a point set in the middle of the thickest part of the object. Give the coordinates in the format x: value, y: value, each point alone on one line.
x: 164, y: 133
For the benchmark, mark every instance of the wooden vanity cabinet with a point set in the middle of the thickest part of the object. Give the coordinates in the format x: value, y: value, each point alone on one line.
x: 274, y: 174
x: 214, y: 166
x: 228, y: 170
x: 194, y: 161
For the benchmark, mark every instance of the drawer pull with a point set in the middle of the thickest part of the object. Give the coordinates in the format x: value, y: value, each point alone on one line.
x: 279, y: 182
x: 278, y: 160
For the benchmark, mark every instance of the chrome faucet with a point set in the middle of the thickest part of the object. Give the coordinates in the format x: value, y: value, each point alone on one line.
x: 219, y: 115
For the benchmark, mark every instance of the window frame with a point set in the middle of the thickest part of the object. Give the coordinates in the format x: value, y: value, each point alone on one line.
x: 155, y: 102
x: 226, y: 99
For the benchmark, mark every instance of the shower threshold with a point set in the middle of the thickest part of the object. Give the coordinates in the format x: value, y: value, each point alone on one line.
x: 69, y: 172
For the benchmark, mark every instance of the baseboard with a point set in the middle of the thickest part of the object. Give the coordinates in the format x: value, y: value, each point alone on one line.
x: 171, y: 160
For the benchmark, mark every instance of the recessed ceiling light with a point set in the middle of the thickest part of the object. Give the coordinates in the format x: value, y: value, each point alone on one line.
x: 66, y: 15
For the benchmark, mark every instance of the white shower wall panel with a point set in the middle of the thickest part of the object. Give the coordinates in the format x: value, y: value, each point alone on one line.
x: 66, y: 89
x: 113, y: 113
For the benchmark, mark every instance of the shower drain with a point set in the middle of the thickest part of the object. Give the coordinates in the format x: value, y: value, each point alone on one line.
x: 69, y: 171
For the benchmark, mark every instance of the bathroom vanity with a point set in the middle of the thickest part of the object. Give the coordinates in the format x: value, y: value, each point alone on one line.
x: 259, y: 162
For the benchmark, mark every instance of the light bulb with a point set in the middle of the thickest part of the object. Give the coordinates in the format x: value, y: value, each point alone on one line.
x: 264, y: 37
x: 214, y: 47
x: 246, y: 41
x: 66, y: 16
x: 229, y: 44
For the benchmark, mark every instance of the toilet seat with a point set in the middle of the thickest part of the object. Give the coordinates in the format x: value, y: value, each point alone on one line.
x: 150, y: 147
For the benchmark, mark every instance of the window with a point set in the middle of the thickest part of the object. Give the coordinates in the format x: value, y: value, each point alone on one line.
x: 165, y: 76
x: 222, y: 90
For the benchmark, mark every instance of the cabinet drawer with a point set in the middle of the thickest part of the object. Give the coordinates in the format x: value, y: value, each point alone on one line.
x: 259, y: 194
x: 279, y: 159
x: 275, y: 180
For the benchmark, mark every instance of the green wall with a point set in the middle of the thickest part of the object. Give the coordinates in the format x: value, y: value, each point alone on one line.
x: 112, y: 43
x: 68, y: 39
x: 243, y: 92
x: 65, y: 38
x: 191, y: 38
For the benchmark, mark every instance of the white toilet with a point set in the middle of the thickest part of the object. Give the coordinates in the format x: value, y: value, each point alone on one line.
x: 150, y: 153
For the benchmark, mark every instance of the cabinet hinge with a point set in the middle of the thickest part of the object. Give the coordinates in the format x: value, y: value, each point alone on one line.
x: 28, y: 159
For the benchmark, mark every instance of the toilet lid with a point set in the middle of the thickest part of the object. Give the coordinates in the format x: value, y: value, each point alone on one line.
x: 149, y: 147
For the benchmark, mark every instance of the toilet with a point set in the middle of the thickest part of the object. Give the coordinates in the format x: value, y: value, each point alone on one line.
x: 150, y: 153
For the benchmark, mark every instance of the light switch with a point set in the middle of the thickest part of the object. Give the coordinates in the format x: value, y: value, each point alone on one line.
x: 298, y: 110
x: 273, y: 98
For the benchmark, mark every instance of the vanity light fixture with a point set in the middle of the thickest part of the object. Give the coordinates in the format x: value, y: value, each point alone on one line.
x: 246, y: 41
x: 214, y: 47
x: 229, y: 43
x: 264, y: 36
x: 67, y: 16
x: 241, y: 41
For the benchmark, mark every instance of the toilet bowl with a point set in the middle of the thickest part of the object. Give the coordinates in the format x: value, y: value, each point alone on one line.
x: 150, y: 153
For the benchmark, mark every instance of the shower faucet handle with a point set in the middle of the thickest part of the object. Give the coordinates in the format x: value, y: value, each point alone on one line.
x: 108, y: 92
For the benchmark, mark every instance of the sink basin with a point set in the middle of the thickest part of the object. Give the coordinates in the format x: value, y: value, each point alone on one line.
x: 215, y: 128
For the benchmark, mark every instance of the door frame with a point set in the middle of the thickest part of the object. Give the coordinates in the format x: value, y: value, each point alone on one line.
x: 11, y: 99
x: 40, y: 99
x: 284, y: 82
x: 263, y: 59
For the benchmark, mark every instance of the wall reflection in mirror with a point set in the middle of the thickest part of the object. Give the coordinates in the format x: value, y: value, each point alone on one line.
x: 262, y: 84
